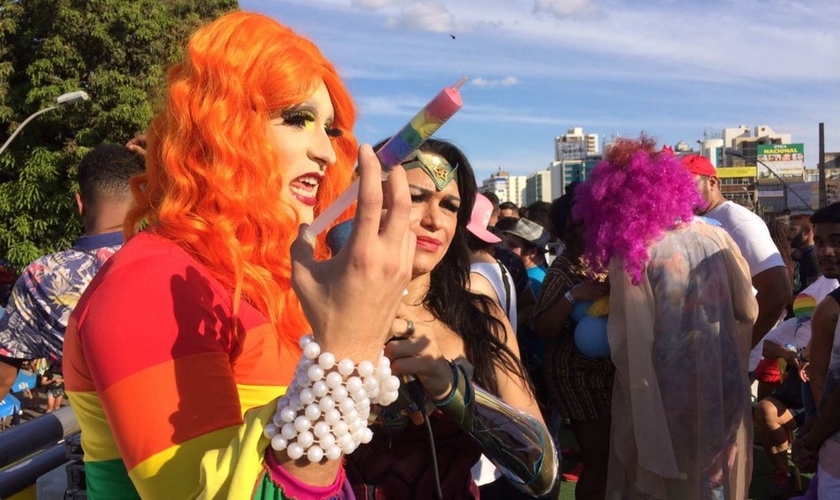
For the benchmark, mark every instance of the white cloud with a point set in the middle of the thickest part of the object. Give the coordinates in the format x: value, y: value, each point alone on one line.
x: 720, y: 42
x: 372, y: 4
x: 565, y: 8
x: 508, y: 81
x: 425, y: 17
x: 671, y: 67
x: 392, y: 105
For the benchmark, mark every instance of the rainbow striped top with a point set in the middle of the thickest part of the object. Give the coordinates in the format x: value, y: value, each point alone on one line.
x: 158, y: 379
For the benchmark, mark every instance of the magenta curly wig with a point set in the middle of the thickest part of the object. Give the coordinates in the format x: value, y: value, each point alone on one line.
x: 631, y: 198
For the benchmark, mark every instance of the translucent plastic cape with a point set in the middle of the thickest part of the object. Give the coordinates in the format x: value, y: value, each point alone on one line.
x: 680, y: 340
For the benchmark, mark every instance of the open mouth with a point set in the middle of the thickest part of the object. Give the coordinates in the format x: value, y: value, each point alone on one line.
x: 305, y: 188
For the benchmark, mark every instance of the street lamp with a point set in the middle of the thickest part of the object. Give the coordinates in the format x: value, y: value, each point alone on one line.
x: 68, y: 98
x: 738, y: 154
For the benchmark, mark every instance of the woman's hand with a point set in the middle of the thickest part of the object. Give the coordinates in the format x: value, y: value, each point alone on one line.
x: 413, y: 349
x: 351, y: 299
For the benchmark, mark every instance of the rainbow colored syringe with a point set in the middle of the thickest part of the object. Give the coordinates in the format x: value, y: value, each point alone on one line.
x: 397, y: 149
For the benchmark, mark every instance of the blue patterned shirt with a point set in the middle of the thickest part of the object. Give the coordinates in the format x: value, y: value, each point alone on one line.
x: 45, y: 294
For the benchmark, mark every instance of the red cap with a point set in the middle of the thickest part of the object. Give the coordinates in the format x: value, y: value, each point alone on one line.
x: 699, y: 165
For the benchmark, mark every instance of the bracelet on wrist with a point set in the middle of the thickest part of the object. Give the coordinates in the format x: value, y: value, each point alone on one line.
x: 455, y: 380
x: 455, y: 404
x: 325, y: 411
x: 569, y: 297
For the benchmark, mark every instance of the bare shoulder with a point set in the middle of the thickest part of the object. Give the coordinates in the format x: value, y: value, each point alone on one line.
x: 481, y: 285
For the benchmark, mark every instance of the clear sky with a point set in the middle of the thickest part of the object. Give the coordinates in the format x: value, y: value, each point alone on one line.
x: 670, y: 68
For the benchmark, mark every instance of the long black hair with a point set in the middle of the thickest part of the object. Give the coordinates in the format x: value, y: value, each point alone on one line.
x: 449, y: 299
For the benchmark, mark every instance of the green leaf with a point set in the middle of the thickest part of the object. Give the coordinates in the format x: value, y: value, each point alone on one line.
x: 117, y: 52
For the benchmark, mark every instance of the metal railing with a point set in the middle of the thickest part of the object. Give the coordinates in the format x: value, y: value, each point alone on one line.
x: 30, y: 450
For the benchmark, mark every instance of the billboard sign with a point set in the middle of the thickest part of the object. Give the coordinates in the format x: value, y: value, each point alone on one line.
x: 735, y: 172
x: 571, y: 150
x: 785, y: 160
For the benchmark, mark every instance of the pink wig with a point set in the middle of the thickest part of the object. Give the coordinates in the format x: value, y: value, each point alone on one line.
x: 632, y: 197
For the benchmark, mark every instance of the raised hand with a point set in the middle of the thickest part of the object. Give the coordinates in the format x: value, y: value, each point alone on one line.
x: 137, y: 144
x: 352, y: 299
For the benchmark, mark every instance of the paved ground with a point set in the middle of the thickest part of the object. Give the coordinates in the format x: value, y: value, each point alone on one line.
x: 37, y: 408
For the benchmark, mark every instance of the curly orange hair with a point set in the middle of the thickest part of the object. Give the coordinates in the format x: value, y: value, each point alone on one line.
x: 213, y: 183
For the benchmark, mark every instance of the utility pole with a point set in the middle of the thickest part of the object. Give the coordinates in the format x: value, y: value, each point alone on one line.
x: 821, y: 167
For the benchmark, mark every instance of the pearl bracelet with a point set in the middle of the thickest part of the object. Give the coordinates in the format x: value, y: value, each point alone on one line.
x: 325, y: 411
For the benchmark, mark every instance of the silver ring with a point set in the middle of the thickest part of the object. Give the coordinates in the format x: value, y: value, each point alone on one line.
x: 409, y: 328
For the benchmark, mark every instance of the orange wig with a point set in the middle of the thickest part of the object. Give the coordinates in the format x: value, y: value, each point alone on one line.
x: 213, y: 182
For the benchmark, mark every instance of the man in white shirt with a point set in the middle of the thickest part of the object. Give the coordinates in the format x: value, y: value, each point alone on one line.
x: 767, y: 269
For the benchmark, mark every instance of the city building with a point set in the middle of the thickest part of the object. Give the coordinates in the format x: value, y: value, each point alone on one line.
x: 538, y: 187
x: 712, y: 148
x: 758, y: 168
x: 738, y: 184
x: 832, y: 162
x: 682, y: 147
x: 739, y: 138
x: 575, y: 145
x: 506, y: 187
x: 564, y: 173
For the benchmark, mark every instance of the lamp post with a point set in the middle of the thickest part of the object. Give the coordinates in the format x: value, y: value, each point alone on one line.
x: 738, y: 154
x: 68, y: 98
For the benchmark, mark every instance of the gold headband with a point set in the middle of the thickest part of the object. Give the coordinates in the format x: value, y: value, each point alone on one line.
x: 435, y: 166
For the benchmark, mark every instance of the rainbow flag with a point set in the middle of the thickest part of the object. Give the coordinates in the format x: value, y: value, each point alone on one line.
x: 803, y: 306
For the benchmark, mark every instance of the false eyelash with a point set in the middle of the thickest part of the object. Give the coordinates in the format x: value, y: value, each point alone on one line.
x: 297, y: 118
x: 451, y: 207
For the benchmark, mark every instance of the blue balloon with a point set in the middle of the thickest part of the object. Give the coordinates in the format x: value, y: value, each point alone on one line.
x: 579, y: 309
x: 338, y: 235
x: 591, y: 337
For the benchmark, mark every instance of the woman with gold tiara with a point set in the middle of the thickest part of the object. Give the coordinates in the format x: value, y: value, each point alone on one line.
x: 463, y: 351
x: 195, y: 321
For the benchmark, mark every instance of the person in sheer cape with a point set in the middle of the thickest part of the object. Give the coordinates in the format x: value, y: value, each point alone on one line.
x: 680, y: 315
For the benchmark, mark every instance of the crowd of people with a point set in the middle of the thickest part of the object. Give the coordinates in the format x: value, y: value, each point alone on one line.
x: 212, y: 348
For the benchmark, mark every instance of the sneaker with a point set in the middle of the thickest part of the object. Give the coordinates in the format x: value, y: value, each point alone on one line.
x: 573, y: 475
x: 783, y: 487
